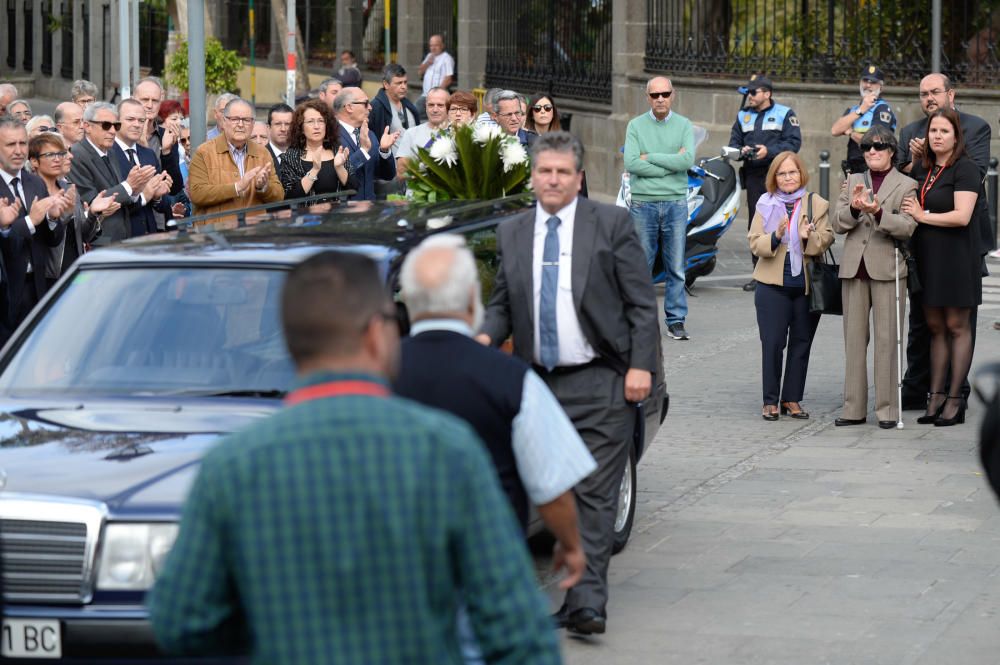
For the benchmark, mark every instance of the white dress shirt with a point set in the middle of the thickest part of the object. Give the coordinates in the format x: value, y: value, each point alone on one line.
x: 551, y: 457
x: 443, y: 65
x: 574, y: 349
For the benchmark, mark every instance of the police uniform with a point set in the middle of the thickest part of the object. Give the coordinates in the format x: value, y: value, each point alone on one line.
x: 775, y: 127
x: 879, y: 114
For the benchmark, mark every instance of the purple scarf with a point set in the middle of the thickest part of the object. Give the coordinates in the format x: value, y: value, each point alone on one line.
x: 772, y: 208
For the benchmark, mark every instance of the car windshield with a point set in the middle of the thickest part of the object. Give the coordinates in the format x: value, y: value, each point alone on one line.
x: 158, y: 331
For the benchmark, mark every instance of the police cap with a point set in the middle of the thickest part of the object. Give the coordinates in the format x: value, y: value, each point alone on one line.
x: 756, y: 81
x: 873, y: 74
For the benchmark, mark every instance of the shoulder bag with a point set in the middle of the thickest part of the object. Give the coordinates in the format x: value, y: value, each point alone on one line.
x: 824, y: 283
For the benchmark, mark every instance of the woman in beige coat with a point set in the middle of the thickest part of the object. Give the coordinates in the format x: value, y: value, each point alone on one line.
x: 869, y: 214
x: 789, y: 228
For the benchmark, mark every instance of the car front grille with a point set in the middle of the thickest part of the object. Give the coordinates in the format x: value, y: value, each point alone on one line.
x: 48, y: 547
x: 43, y: 560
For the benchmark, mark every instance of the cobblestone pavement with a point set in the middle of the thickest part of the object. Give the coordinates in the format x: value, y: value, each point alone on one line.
x: 798, y: 542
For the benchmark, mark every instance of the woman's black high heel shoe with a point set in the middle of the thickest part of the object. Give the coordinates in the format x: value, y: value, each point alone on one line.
x: 957, y: 419
x: 929, y: 417
x: 767, y: 414
x: 786, y: 410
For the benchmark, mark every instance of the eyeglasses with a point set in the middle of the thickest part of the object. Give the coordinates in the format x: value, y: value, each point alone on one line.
x: 512, y: 114
x: 660, y: 95
x: 865, y: 147
x: 787, y: 175
x: 363, y: 102
x: 54, y: 155
x: 314, y: 121
x: 185, y: 141
x: 43, y: 128
x: 239, y: 121
x: 541, y: 107
x: 106, y: 125
x: 924, y: 94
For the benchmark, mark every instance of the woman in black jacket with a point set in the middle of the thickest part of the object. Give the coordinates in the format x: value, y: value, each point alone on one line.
x: 314, y: 163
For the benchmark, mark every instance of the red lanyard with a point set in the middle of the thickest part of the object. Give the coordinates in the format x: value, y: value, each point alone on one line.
x: 928, y: 183
x: 336, y: 389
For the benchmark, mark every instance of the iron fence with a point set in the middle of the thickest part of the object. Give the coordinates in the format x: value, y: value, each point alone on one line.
x: 29, y: 36
x: 11, y: 33
x: 66, y: 18
x: 47, y: 29
x: 560, y: 47
x: 441, y: 18
x: 820, y: 40
x: 152, y: 36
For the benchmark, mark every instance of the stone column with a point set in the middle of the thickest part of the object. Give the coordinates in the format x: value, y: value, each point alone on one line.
x: 37, y: 27
x: 472, y: 33
x: 411, y: 40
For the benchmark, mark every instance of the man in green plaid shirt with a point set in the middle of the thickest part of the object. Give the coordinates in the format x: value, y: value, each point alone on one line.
x: 349, y: 527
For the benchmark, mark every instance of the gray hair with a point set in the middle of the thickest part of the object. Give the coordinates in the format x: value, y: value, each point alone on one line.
x: 8, y: 89
x: 38, y: 120
x: 82, y: 87
x: 559, y: 142
x: 490, y: 94
x: 343, y: 97
x: 224, y: 99
x: 10, y: 122
x: 91, y: 112
x: 328, y: 82
x: 391, y: 71
x: 19, y: 102
x: 233, y: 102
x: 451, y: 292
x: 505, y: 96
x: 155, y: 80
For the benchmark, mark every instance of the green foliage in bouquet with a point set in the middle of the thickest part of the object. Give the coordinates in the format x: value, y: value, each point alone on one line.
x: 467, y: 163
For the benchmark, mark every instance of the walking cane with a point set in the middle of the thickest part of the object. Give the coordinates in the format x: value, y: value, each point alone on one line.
x: 899, y: 350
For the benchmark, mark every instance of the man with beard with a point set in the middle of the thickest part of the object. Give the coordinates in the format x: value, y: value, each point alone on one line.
x: 937, y: 92
x: 762, y: 130
x: 859, y: 119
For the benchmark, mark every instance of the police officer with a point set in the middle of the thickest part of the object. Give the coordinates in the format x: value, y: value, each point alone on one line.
x: 761, y: 131
x: 859, y: 119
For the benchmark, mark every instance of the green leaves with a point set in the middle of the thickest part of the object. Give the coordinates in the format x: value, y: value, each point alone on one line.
x: 221, y: 67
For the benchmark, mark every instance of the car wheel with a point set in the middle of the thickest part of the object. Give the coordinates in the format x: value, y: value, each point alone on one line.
x: 625, y: 514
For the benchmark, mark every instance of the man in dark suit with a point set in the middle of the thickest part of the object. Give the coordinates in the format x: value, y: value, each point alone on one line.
x: 510, y: 116
x: 596, y: 354
x: 352, y: 108
x: 28, y: 228
x: 94, y: 171
x: 279, y: 129
x: 129, y: 153
x: 937, y: 92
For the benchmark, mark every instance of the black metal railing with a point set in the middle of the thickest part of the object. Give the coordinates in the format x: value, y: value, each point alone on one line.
x: 441, y: 18
x: 152, y: 36
x: 66, y: 63
x: 29, y: 36
x: 11, y: 33
x: 561, y: 47
x: 47, y: 29
x: 821, y: 40
x: 85, y: 15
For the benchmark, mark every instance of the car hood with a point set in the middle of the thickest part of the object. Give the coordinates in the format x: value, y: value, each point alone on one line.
x: 134, y: 455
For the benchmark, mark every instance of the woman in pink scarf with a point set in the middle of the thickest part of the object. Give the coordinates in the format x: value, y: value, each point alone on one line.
x: 785, y: 237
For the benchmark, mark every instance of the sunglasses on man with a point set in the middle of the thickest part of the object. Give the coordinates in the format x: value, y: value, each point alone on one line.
x: 106, y: 125
x: 660, y: 95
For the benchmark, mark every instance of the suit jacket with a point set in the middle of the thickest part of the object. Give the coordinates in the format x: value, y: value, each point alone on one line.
x: 141, y: 216
x: 213, y: 175
x: 976, y: 133
x: 770, y: 268
x: 381, y: 114
x: 875, y: 239
x: 91, y: 175
x: 25, y: 247
x: 619, y: 315
x: 274, y: 157
x: 366, y: 171
x: 81, y: 228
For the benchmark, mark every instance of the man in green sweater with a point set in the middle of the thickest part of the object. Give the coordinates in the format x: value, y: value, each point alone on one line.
x: 659, y: 149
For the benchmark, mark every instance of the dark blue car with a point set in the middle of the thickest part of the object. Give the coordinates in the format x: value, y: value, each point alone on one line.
x: 129, y: 369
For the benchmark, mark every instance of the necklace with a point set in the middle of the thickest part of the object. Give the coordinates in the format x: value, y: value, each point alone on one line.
x: 932, y: 177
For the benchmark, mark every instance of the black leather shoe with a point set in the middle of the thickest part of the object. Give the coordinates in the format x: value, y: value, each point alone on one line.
x: 887, y: 424
x: 585, y: 621
x: 750, y: 286
x: 844, y: 422
x: 560, y: 619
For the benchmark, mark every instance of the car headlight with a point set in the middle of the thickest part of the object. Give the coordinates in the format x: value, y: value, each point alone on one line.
x: 133, y: 554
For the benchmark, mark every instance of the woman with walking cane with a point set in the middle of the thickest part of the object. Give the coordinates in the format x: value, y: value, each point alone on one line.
x: 873, y: 277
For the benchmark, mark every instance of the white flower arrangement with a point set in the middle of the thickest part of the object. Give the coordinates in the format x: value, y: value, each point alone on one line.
x: 512, y: 154
x: 444, y: 151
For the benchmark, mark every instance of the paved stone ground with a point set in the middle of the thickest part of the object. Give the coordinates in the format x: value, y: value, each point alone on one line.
x: 798, y: 542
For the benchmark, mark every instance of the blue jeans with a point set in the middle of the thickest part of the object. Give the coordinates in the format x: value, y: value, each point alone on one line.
x: 664, y: 224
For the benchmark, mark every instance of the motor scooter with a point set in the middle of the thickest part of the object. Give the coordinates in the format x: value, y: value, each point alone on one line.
x: 713, y: 200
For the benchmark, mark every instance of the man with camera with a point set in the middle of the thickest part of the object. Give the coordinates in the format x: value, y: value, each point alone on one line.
x: 761, y: 131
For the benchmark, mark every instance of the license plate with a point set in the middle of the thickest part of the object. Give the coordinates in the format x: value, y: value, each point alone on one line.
x: 31, y: 638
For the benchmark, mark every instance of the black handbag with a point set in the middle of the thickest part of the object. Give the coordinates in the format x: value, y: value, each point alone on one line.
x: 825, y: 296
x: 912, y: 278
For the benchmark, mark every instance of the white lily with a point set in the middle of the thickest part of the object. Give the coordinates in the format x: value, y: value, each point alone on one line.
x: 443, y: 151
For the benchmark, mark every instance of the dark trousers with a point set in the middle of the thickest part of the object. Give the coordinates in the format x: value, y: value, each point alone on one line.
x: 754, y: 184
x: 594, y: 399
x: 917, y: 380
x: 783, y: 319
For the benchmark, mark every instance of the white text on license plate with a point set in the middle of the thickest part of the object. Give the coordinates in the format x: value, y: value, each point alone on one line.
x: 30, y: 638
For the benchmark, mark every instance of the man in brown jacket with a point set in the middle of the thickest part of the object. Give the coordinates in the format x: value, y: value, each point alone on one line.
x: 230, y: 171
